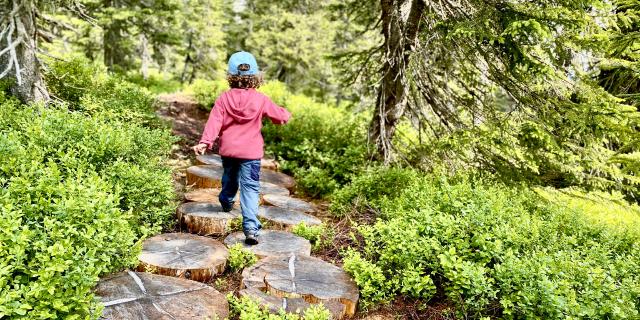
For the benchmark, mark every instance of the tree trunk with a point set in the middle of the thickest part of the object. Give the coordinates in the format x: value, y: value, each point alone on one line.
x: 18, y: 47
x: 145, y: 57
x: 111, y: 41
x: 400, y: 31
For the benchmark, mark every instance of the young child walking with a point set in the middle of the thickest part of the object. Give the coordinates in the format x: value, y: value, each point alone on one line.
x: 236, y: 120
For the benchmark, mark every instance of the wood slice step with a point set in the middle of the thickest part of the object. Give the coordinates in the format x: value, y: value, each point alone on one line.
x: 207, y: 176
x: 211, y: 194
x: 277, y: 178
x: 138, y: 295
x: 306, y: 277
x: 183, y: 255
x: 288, y: 203
x: 209, y: 159
x: 210, y: 176
x: 206, y: 218
x: 286, y: 218
x: 215, y: 159
x: 270, y: 188
x: 273, y: 243
x: 203, y: 195
x: 291, y: 305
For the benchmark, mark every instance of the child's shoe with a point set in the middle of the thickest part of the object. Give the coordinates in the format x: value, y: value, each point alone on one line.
x: 227, y: 208
x: 251, y: 238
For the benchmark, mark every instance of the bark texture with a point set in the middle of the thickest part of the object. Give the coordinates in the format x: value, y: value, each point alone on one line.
x: 400, y: 26
x: 18, y: 49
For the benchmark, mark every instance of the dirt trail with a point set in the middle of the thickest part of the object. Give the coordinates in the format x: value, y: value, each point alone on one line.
x: 186, y: 117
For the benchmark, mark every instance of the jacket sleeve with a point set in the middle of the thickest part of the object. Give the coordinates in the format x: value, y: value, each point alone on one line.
x: 277, y: 114
x: 213, y: 126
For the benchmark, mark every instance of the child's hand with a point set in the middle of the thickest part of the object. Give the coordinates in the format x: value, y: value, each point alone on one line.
x: 199, y: 149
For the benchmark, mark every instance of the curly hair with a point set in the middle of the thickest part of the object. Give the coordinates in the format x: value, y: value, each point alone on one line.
x: 244, y: 81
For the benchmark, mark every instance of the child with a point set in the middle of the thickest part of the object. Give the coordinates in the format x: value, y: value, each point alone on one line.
x: 236, y: 120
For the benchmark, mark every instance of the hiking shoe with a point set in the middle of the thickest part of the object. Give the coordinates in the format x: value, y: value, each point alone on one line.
x: 227, y: 208
x: 251, y: 239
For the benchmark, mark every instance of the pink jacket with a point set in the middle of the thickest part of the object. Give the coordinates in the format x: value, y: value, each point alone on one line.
x: 236, y: 119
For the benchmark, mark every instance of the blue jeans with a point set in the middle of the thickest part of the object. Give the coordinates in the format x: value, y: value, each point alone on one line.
x: 246, y: 175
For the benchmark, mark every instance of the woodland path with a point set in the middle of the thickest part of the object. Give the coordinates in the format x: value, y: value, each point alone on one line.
x: 286, y: 276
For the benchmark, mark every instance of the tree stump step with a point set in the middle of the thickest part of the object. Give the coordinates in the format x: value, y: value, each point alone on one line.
x: 288, y: 203
x: 206, y: 218
x: 291, y: 305
x: 211, y: 194
x: 216, y: 160
x: 270, y: 188
x: 183, y: 255
x: 204, y: 176
x: 277, y: 178
x: 210, y: 176
x: 287, y: 218
x: 306, y: 277
x: 138, y: 295
x: 209, y: 159
x: 273, y: 243
x: 202, y: 195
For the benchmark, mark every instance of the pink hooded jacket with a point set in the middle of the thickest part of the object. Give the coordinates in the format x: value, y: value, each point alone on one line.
x: 236, y: 118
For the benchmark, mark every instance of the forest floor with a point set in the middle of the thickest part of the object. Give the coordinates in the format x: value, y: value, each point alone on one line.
x: 187, y: 121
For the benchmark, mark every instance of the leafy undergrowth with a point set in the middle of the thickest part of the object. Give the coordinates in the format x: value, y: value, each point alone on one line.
x: 494, y: 250
x: 82, y: 183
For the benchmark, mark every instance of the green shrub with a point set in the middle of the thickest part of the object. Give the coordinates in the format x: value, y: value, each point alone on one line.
x: 246, y: 309
x: 322, y: 145
x: 157, y: 82
x: 371, y: 280
x: 71, y: 80
x: 60, y: 232
x: 320, y: 236
x: 128, y: 156
x: 206, y: 91
x: 86, y: 87
x: 495, y: 251
x: 82, y: 182
x: 240, y: 258
x: 370, y: 188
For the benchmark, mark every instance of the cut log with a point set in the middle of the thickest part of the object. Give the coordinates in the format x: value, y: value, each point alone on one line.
x: 273, y: 243
x: 183, y: 255
x: 211, y: 194
x: 216, y: 160
x: 277, y: 178
x: 202, y: 195
x: 288, y: 203
x: 291, y: 305
x: 270, y: 188
x: 285, y: 218
x: 206, y: 218
x: 209, y: 159
x: 138, y: 295
x: 210, y: 176
x: 309, y: 278
x: 204, y: 176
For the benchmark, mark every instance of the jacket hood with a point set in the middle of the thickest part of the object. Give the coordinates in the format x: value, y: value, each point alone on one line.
x: 241, y: 104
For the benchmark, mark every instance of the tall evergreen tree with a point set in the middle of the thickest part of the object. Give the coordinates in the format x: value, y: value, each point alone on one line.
x: 203, y: 39
x: 123, y: 21
x: 500, y: 85
x: 292, y: 39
